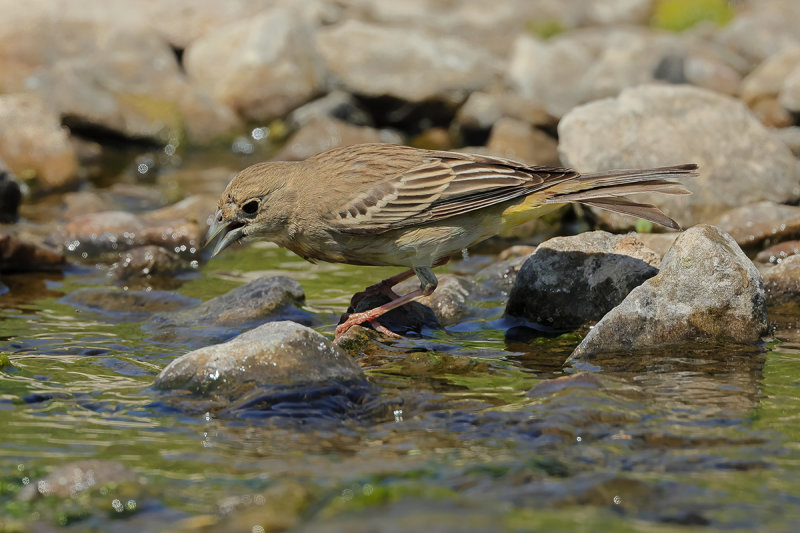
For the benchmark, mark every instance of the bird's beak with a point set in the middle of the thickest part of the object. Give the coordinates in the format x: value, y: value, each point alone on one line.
x: 223, y: 233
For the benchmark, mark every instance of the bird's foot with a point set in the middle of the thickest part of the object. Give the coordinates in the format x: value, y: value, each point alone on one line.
x: 361, y: 318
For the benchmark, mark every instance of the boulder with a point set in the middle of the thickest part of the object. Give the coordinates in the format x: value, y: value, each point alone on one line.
x: 706, y: 291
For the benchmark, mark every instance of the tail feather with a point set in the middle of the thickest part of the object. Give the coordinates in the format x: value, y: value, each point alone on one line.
x: 604, y: 190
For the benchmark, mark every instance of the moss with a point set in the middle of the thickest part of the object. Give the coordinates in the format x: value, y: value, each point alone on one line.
x: 679, y: 15
x: 643, y: 226
x: 5, y: 362
x: 544, y: 29
x: 161, y: 112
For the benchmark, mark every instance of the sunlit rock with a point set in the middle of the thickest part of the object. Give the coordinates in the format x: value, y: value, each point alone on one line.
x: 706, y: 290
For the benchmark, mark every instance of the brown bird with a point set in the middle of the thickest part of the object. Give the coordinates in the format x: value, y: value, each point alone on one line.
x: 383, y: 204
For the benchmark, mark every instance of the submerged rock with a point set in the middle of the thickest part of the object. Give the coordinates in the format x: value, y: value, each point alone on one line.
x: 706, y: 291
x: 262, y: 300
x: 569, y: 281
x: 650, y: 126
x: 67, y: 481
x: 276, y: 354
x: 152, y: 265
x: 126, y: 306
x: 453, y: 300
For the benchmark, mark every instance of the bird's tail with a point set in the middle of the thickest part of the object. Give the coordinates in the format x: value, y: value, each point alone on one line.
x: 605, y: 190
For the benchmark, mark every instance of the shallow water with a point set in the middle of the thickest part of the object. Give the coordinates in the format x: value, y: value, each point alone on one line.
x: 704, y: 438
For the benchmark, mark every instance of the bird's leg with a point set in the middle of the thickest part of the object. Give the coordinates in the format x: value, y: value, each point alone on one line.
x: 428, y: 283
x: 385, y: 287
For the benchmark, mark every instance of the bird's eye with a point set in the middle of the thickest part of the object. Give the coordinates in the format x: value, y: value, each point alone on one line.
x: 251, y: 207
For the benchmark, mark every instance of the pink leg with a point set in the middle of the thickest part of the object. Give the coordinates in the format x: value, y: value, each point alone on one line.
x: 385, y: 286
x: 373, y: 314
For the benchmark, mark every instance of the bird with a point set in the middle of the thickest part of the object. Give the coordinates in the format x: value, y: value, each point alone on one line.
x: 392, y: 205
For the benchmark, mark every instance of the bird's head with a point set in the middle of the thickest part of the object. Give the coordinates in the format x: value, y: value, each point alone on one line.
x: 253, y: 206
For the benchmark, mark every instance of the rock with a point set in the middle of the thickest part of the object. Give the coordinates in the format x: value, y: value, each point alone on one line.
x: 403, y: 63
x: 149, y: 265
x: 10, y: 196
x: 103, y: 236
x: 779, y: 252
x: 753, y: 225
x: 414, y: 317
x: 570, y: 281
x: 326, y: 133
x: 650, y: 126
x: 501, y: 275
x: 261, y: 67
x: 579, y: 380
x: 782, y: 282
x: 454, y: 300
x: 117, y: 305
x: 771, y: 113
x: 336, y: 105
x: 71, y: 479
x: 762, y: 29
x: 791, y: 137
x: 33, y: 143
x: 105, y: 68
x: 265, y: 299
x: 279, y: 353
x: 482, y: 109
x: 17, y: 255
x: 768, y: 78
x: 707, y: 290
x: 789, y: 96
x: 660, y: 243
x: 518, y: 140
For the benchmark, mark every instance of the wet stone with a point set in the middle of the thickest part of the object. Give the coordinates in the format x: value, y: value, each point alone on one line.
x: 778, y: 252
x: 754, y: 225
x: 454, y: 299
x: 569, y: 281
x: 262, y: 300
x: 10, y: 196
x: 707, y: 290
x: 782, y: 282
x: 126, y: 306
x: 149, y: 265
x: 18, y: 255
x: 68, y: 480
x: 277, y: 354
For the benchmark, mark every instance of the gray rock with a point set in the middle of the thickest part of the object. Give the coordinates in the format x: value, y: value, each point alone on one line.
x: 265, y: 299
x: 325, y: 133
x: 791, y: 137
x: 261, y: 67
x: 278, y: 353
x: 707, y: 290
x: 404, y: 63
x: 33, y: 144
x: 782, y: 282
x: 789, y: 96
x: 753, y: 225
x: 116, y: 305
x: 651, y: 126
x: 762, y: 29
x: 777, y: 253
x: 768, y: 78
x: 336, y: 104
x: 569, y: 281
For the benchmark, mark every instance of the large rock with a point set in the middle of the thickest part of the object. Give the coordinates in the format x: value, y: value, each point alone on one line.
x: 569, y: 281
x: 262, y: 67
x: 650, y: 126
x: 18, y: 255
x: 325, y: 133
x: 753, y: 225
x: 404, y: 63
x: 101, y: 67
x: 33, y: 143
x: 762, y: 29
x: 278, y: 353
x: 265, y: 299
x: 707, y: 290
x: 768, y: 78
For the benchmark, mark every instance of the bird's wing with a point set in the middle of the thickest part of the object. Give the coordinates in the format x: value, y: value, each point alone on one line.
x: 444, y: 185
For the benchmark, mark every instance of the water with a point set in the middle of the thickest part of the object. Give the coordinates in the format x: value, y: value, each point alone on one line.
x: 702, y: 439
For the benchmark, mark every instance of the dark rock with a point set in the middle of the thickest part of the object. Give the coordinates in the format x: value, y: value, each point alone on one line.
x: 275, y: 354
x: 17, y: 255
x: 412, y: 317
x: 782, y: 282
x: 10, y: 196
x: 569, y: 281
x: 262, y: 300
x: 68, y: 480
x: 707, y: 290
x: 453, y: 300
x: 616, y: 133
x: 151, y: 265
